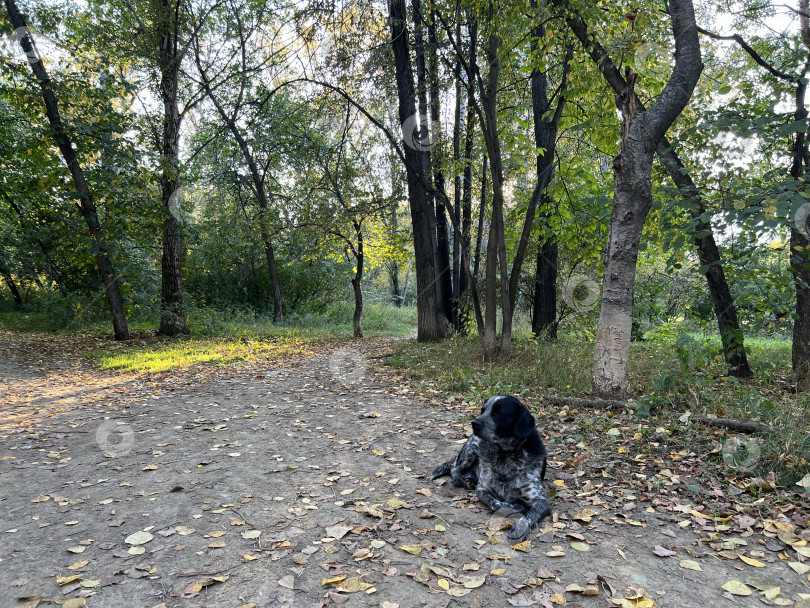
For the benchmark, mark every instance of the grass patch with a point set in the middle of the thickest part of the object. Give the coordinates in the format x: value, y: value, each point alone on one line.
x: 457, y: 366
x: 682, y: 372
x: 177, y: 355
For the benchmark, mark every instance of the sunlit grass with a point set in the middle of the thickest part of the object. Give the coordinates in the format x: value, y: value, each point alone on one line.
x: 170, y: 355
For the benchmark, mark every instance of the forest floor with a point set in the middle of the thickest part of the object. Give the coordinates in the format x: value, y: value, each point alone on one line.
x: 303, y: 481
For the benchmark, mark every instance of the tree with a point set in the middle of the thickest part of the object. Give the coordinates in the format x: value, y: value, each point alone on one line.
x: 724, y: 306
x: 86, y: 205
x: 642, y: 131
x: 431, y: 324
x: 799, y: 169
x: 240, y: 75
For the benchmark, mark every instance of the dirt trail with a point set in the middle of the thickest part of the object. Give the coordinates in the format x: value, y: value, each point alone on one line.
x: 329, y: 465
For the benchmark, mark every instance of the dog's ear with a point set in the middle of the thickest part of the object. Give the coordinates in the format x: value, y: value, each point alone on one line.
x: 524, y: 423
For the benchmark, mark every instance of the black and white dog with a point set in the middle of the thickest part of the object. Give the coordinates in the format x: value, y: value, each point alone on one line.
x: 505, y: 461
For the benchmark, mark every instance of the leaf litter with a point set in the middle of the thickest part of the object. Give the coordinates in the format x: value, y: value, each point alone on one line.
x: 326, y: 489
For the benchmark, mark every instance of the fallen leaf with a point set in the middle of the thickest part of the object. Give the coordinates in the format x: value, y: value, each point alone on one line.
x: 139, y: 538
x: 737, y: 588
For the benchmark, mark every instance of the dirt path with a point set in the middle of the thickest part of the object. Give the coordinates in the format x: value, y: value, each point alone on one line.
x: 252, y: 488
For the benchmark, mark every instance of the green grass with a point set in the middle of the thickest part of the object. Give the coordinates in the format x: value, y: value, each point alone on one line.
x: 168, y: 355
x: 218, y: 337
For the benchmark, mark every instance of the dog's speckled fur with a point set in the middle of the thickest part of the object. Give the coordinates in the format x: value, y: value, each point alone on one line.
x: 505, y: 461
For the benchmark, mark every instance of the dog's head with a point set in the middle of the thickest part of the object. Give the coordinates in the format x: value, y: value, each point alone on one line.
x: 504, y: 421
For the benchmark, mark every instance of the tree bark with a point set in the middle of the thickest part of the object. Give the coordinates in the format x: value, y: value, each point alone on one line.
x: 544, y: 307
x: 800, y: 257
x: 479, y: 234
x: 86, y: 205
x: 799, y: 242
x: 172, y: 310
x: 357, y: 319
x: 725, y: 309
x: 457, y: 194
x: 444, y: 284
x: 430, y: 324
x: 12, y: 287
x: 642, y: 131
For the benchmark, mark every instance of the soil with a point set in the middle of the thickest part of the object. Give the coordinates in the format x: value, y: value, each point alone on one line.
x: 328, y: 461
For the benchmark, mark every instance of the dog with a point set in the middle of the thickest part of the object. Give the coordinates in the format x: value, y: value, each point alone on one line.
x: 505, y: 461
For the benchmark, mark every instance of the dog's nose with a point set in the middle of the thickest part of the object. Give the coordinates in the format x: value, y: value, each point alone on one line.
x: 476, y: 426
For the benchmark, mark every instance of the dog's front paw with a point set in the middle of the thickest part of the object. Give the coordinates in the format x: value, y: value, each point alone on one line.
x: 519, y: 530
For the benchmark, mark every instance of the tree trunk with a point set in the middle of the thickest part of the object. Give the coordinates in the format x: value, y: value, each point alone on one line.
x: 405, y: 285
x: 466, y: 212
x: 172, y: 310
x: 489, y: 102
x: 799, y: 242
x: 724, y: 306
x: 479, y: 235
x: 430, y: 324
x: 800, y: 257
x: 86, y: 205
x: 632, y: 199
x: 457, y: 271
x: 544, y: 309
x: 357, y: 281
x: 444, y: 283
x: 12, y: 286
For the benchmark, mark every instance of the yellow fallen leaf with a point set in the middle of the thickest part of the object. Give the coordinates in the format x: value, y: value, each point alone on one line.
x: 525, y: 546
x: 66, y: 580
x: 412, y: 549
x: 458, y: 591
x: 77, y: 565
x: 215, y: 534
x: 557, y: 598
x: 444, y: 584
x: 799, y: 567
x: 752, y: 562
x: 690, y: 565
x: 737, y: 588
x: 352, y: 585
x: 333, y: 581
